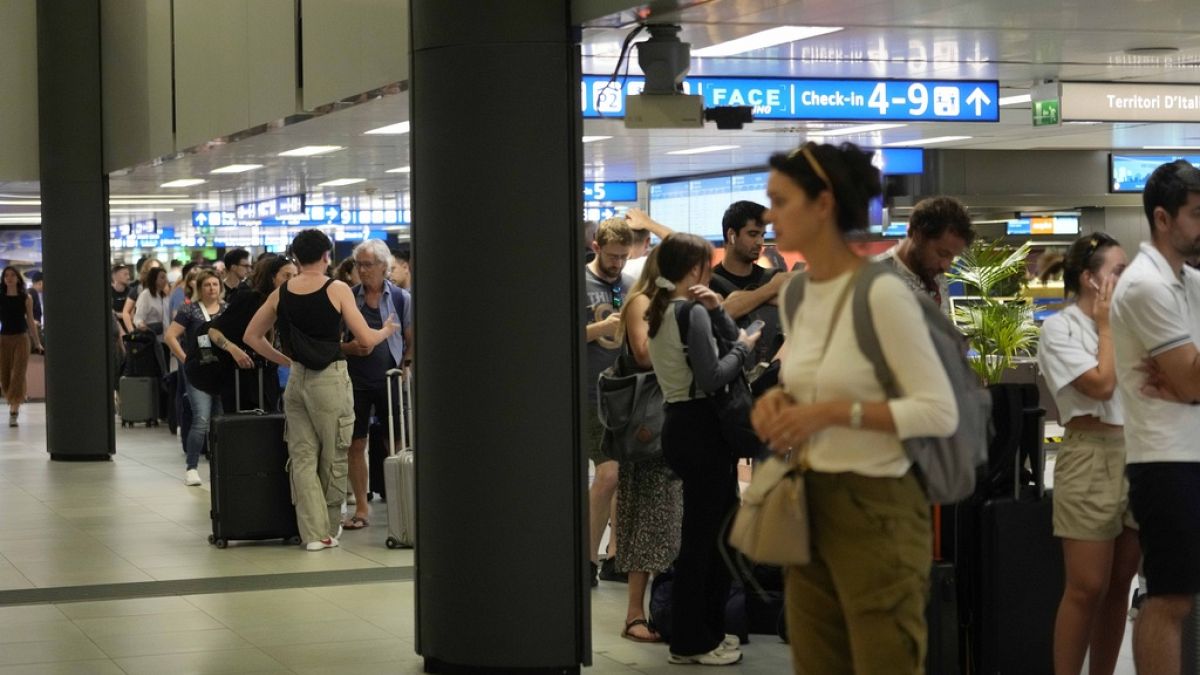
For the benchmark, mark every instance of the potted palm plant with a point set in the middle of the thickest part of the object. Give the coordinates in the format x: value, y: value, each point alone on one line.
x: 999, y: 325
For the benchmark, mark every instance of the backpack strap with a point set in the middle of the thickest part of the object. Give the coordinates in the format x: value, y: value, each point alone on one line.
x: 683, y: 319
x: 793, y: 295
x: 864, y: 328
x: 398, y: 300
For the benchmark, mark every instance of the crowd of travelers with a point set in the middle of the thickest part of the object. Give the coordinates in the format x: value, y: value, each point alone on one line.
x: 319, y: 347
x: 1121, y: 355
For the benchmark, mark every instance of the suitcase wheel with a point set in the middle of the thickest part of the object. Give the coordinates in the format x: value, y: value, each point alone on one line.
x: 210, y: 538
x: 221, y: 543
x: 392, y: 542
x: 293, y: 540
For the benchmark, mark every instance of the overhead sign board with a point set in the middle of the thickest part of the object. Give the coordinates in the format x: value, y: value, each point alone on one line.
x: 1129, y: 173
x: 595, y: 191
x: 288, y: 205
x: 1129, y: 102
x: 818, y: 99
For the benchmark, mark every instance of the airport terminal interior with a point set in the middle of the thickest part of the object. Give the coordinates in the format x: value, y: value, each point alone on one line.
x: 236, y: 124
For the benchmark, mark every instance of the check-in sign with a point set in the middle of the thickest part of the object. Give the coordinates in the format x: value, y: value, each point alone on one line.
x: 1129, y: 102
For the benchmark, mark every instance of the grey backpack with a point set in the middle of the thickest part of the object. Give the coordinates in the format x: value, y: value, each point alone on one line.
x: 946, y: 466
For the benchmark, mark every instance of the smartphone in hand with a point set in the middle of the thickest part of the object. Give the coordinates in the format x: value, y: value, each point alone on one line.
x: 755, y: 327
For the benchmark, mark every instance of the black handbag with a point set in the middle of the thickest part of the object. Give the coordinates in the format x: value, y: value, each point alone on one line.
x: 732, y: 403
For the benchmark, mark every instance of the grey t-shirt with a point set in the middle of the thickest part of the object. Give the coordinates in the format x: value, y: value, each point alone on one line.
x: 602, y: 352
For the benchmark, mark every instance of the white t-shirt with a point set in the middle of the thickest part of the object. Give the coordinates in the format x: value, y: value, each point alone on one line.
x: 1151, y: 316
x: 927, y: 407
x: 634, y: 268
x: 1070, y: 347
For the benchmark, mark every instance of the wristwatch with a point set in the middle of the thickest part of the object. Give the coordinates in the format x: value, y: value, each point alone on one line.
x: 856, y: 415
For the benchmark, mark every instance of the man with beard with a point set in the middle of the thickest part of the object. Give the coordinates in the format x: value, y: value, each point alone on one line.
x: 1155, y: 335
x: 751, y: 291
x: 939, y: 230
x: 606, y: 287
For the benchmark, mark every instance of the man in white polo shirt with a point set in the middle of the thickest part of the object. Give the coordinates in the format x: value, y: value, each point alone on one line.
x: 1152, y: 323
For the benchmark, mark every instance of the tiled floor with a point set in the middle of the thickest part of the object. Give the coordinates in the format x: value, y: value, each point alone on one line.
x: 132, y: 519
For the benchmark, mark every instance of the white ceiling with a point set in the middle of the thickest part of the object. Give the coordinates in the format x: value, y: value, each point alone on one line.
x: 1017, y: 42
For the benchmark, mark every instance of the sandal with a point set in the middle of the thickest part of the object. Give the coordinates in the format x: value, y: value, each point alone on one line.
x: 649, y: 629
x: 355, y: 523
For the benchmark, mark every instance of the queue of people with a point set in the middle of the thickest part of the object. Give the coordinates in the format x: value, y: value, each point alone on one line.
x: 1120, y: 359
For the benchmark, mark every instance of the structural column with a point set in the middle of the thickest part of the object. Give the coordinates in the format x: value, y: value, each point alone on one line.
x: 501, y: 478
x: 79, y: 415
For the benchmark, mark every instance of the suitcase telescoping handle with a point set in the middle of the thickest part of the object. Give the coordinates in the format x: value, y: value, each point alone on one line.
x: 405, y: 422
x: 237, y: 390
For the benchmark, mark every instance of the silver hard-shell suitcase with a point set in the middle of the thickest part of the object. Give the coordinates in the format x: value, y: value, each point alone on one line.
x: 139, y: 400
x: 398, y: 477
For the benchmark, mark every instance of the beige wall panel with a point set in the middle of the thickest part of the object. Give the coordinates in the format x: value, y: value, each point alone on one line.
x: 18, y: 105
x: 136, y: 53
x: 352, y: 46
x: 271, y: 81
x: 211, y: 64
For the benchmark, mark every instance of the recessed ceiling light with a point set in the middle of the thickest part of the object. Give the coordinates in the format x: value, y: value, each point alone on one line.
x: 402, y: 169
x: 928, y: 141
x: 391, y: 129
x: 151, y: 201
x: 237, y: 168
x: 763, y: 39
x: 860, y: 129
x: 183, y: 183
x: 1014, y: 100
x: 20, y: 202
x: 341, y: 181
x: 141, y: 210
x: 593, y: 139
x: 704, y: 149
x: 310, y: 150
x: 1171, y: 147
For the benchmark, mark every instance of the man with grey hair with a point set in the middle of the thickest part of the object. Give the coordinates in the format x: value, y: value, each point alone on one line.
x: 380, y: 301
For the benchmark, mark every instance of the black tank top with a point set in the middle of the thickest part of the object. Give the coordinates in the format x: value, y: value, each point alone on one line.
x: 12, y: 315
x: 320, y: 322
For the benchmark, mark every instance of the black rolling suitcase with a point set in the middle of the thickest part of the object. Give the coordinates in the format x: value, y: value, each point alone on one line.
x: 1021, y: 573
x: 941, y: 614
x: 251, y: 490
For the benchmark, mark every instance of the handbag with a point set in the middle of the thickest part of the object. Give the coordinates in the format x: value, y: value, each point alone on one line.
x: 631, y: 412
x: 771, y: 525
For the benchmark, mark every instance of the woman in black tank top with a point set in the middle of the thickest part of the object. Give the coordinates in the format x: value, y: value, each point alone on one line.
x: 309, y: 312
x: 18, y: 331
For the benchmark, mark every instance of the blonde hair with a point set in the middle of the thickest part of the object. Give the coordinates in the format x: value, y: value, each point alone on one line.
x: 643, y: 286
x: 614, y: 231
x: 202, y: 276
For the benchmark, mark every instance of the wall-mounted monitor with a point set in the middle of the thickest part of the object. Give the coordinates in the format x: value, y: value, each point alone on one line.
x: 1044, y: 225
x: 1129, y: 173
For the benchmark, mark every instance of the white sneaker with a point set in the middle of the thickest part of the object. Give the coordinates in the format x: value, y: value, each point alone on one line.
x: 730, y: 643
x: 717, y: 657
x: 328, y: 542
x: 192, y: 478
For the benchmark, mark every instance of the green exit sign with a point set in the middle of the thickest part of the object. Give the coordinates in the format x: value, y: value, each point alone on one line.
x: 1046, y: 113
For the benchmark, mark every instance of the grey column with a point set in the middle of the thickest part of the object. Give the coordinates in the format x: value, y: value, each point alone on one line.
x: 79, y: 415
x: 501, y: 478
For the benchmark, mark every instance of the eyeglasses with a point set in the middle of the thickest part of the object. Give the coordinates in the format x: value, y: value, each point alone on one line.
x: 366, y: 265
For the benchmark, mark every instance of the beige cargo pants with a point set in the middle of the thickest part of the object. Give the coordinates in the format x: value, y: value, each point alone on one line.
x: 319, y: 405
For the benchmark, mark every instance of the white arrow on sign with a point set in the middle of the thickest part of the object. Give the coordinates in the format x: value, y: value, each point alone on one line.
x: 201, y: 218
x: 978, y: 99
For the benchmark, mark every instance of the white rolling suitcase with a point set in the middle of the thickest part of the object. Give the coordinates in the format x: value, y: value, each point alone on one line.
x: 398, y: 477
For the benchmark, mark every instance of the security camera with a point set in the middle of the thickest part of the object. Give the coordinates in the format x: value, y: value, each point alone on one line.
x: 729, y: 116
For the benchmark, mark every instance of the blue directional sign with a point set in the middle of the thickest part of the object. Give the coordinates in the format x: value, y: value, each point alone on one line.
x: 213, y: 218
x: 813, y: 99
x: 609, y: 192
x: 288, y: 205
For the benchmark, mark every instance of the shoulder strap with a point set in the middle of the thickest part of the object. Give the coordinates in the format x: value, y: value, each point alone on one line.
x: 397, y: 294
x: 793, y: 296
x: 864, y: 328
x: 683, y: 319
x: 328, y: 283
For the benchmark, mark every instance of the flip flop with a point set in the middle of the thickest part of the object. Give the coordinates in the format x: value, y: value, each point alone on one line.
x: 355, y: 523
x: 641, y: 622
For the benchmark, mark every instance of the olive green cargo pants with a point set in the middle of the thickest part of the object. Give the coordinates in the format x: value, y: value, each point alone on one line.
x: 319, y: 406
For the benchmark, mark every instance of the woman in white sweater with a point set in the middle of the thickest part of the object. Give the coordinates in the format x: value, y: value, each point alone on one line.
x: 859, y: 606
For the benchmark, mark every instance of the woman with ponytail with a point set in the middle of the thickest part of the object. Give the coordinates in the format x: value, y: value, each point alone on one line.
x: 689, y: 369
x: 1091, y: 494
x: 859, y: 605
x: 649, y: 494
